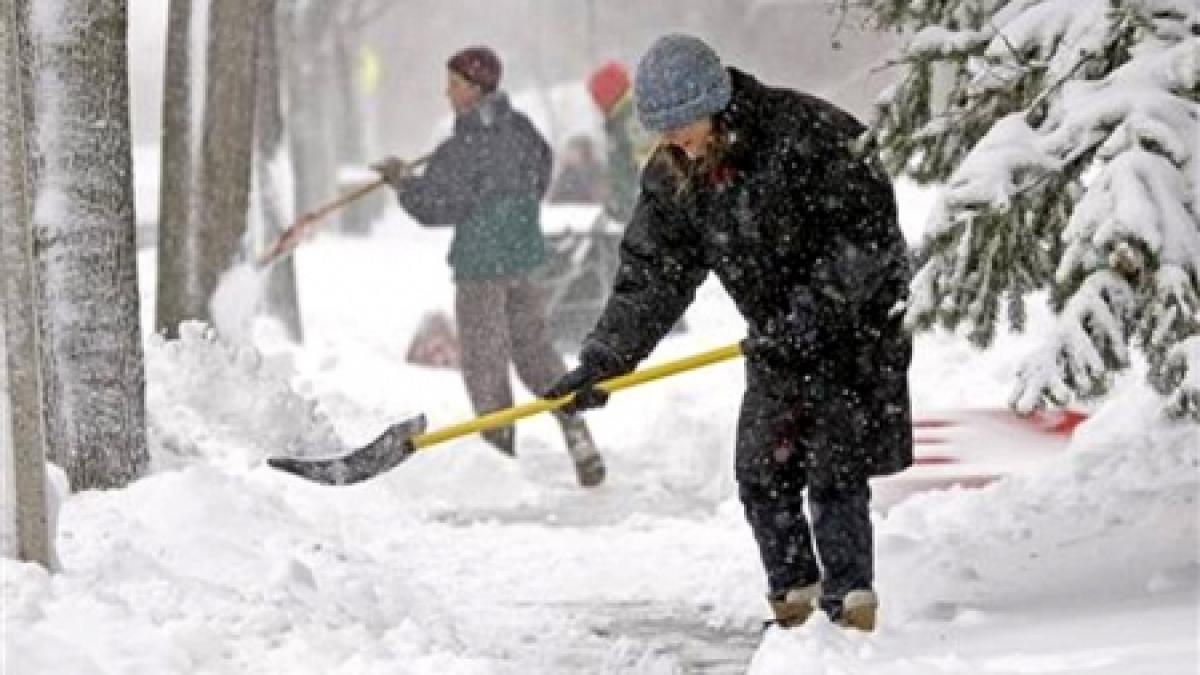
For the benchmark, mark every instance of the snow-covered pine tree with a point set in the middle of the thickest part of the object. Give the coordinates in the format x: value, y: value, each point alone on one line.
x: 1067, y: 135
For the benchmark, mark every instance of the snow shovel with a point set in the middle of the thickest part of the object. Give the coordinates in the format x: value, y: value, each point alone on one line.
x: 404, y: 439
x: 306, y: 224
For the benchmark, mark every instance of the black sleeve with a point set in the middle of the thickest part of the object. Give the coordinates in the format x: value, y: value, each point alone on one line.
x: 661, y: 265
x: 445, y: 194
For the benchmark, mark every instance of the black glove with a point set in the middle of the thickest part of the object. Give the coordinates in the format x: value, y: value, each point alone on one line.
x: 596, y: 364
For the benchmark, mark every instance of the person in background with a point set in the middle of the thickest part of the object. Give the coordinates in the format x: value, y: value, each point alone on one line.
x: 487, y: 181
x: 581, y: 177
x: 764, y: 187
x: 628, y: 143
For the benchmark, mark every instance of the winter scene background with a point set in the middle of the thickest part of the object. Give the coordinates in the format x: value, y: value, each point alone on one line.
x: 1015, y: 545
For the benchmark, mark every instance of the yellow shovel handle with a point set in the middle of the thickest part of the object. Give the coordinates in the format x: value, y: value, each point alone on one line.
x: 507, y: 416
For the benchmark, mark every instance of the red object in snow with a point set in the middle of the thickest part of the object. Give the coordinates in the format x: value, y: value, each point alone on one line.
x: 972, y: 448
x: 928, y: 460
x: 435, y: 343
x: 1057, y: 421
x: 1052, y: 421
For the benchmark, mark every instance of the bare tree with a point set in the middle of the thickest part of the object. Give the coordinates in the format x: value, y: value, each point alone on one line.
x: 177, y: 237
x: 346, y: 120
x: 221, y: 191
x: 326, y: 131
x: 281, y: 299
x: 309, y: 143
x: 83, y: 219
x: 23, y: 429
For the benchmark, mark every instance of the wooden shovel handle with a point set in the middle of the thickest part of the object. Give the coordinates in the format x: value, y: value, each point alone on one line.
x: 290, y: 238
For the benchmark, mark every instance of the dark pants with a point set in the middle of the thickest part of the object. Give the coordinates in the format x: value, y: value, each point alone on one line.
x: 775, y: 469
x: 502, y: 321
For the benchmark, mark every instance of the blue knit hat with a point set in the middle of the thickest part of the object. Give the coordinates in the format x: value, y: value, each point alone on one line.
x: 679, y: 81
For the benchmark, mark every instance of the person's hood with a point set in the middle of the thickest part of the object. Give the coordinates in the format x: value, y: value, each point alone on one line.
x: 491, y: 107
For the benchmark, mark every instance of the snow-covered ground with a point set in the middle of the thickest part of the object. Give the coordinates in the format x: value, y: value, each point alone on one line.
x: 463, y: 561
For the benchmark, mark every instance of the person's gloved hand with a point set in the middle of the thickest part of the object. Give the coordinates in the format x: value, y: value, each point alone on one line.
x: 595, y: 366
x: 393, y: 170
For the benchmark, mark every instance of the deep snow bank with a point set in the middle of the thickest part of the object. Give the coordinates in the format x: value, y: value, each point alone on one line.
x: 1112, y: 523
x: 214, y: 402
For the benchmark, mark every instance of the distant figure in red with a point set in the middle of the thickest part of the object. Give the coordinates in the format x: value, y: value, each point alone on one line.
x: 629, y: 145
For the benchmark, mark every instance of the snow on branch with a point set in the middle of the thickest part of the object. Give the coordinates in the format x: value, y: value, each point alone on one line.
x: 1065, y: 134
x: 1183, y: 366
x: 1088, y: 342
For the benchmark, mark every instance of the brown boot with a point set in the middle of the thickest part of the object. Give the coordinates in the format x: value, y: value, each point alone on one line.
x: 589, y: 465
x: 793, y: 607
x: 859, y: 609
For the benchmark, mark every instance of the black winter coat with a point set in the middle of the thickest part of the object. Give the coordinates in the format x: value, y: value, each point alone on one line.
x: 802, y: 232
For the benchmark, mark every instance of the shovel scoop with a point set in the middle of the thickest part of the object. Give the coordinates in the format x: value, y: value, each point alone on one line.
x: 402, y: 440
x: 384, y: 453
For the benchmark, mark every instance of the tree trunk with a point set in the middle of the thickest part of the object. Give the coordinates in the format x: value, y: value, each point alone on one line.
x: 281, y: 300
x: 84, y: 238
x: 222, y: 186
x: 22, y: 426
x: 349, y: 141
x: 177, y: 234
x: 311, y: 151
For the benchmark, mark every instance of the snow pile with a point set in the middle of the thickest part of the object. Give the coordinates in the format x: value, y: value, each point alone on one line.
x: 235, y: 302
x: 1109, y: 527
x: 1116, y: 514
x: 463, y: 561
x: 212, y: 402
x: 170, y: 574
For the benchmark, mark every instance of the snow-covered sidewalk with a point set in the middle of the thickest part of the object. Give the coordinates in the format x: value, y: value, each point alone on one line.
x: 462, y: 561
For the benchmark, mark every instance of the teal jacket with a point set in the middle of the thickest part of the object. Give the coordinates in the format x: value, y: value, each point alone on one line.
x: 487, y: 180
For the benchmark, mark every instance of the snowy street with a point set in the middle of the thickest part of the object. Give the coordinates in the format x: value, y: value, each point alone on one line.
x: 463, y: 561
x: 263, y: 262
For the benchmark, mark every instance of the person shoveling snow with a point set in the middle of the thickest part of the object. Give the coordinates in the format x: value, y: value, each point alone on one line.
x: 487, y: 180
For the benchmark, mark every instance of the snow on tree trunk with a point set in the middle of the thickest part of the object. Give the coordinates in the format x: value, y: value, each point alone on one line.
x: 223, y: 142
x: 25, y: 532
x: 208, y: 127
x: 1069, y: 153
x: 271, y: 179
x: 83, y: 217
x: 177, y: 234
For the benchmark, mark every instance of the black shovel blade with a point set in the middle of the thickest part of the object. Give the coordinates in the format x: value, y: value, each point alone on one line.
x: 382, y: 454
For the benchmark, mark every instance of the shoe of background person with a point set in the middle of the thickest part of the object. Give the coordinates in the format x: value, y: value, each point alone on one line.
x: 589, y: 465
